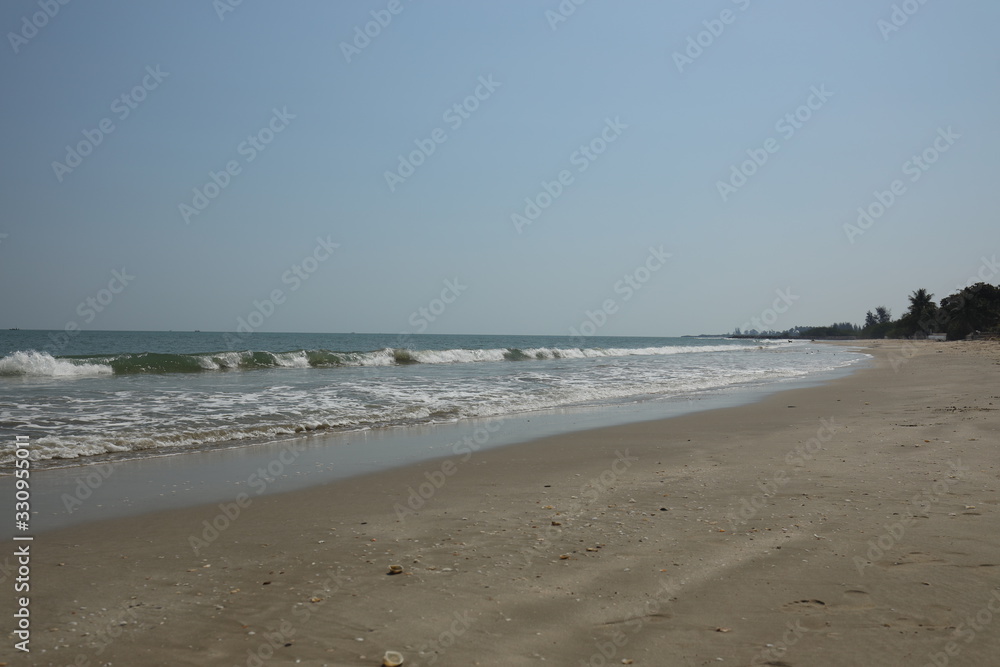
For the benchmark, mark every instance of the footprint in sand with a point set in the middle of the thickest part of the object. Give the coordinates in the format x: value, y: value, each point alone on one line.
x: 804, y: 605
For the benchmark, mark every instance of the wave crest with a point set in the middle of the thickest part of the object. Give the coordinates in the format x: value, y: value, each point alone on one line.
x: 43, y: 364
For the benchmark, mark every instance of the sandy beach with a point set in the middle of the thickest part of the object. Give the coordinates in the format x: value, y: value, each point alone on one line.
x: 854, y: 523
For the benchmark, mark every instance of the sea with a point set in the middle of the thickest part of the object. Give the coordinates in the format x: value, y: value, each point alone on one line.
x: 99, y: 396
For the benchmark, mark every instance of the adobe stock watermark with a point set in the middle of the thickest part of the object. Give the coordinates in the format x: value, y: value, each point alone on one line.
x: 106, y: 636
x: 921, y: 503
x: 987, y: 271
x: 608, y: 650
x: 463, y: 450
x: 283, y: 631
x: 223, y: 7
x: 786, y: 126
x: 915, y: 168
x: 770, y: 315
x: 976, y: 625
x: 563, y: 11
x: 363, y: 36
x: 273, y: 640
x: 589, y: 492
x: 295, y: 276
x: 421, y: 318
x: 249, y: 149
x: 86, y: 485
x: 629, y: 284
x: 258, y: 481
x: 454, y: 116
x: 446, y: 638
x: 88, y: 310
x: 794, y: 459
x: 122, y: 106
x: 772, y: 653
x: 581, y: 158
x: 698, y: 43
x: 31, y: 25
x: 898, y: 17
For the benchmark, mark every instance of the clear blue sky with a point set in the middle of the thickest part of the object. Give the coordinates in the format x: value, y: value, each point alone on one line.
x: 553, y: 87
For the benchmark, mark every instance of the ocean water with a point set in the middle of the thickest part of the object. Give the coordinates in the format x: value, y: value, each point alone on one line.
x: 118, y: 395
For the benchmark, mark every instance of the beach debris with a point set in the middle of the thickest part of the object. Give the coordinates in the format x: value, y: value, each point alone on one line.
x: 556, y: 523
x: 627, y: 661
x: 723, y: 629
x: 392, y: 659
x: 395, y: 569
x: 564, y: 557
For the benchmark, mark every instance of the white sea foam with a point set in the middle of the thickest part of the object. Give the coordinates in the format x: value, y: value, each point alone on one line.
x: 456, y: 356
x: 43, y: 364
x: 167, y: 412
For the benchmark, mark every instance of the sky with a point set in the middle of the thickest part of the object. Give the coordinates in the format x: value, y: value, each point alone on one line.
x: 498, y: 167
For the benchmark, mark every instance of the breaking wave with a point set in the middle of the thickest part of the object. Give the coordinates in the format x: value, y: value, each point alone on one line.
x: 42, y: 364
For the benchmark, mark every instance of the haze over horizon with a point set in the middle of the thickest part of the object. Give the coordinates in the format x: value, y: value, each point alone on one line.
x: 510, y: 168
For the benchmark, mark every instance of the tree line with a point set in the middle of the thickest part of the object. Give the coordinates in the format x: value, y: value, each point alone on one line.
x: 972, y: 310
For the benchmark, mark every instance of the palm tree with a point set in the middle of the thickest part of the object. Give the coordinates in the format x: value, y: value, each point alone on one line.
x: 921, y: 315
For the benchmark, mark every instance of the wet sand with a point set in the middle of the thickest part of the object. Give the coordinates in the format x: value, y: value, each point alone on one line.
x: 855, y: 523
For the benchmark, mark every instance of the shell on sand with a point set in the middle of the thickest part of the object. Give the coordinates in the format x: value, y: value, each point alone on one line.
x: 392, y: 659
x: 395, y: 569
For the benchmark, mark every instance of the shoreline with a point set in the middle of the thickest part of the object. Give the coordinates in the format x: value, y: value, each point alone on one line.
x: 787, y: 529
x: 71, y: 495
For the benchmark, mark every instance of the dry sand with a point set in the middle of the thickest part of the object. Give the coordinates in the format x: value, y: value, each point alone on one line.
x: 856, y: 523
